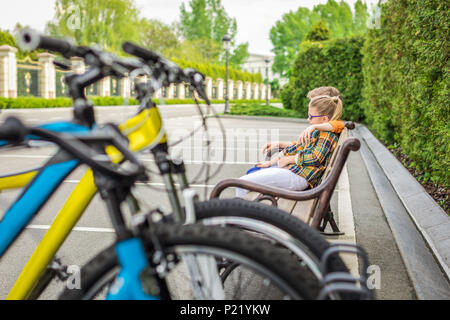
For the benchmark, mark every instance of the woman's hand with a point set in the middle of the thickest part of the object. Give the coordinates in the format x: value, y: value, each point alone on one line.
x: 281, y: 145
x: 264, y: 164
x: 284, y: 162
x: 269, y: 146
x: 305, y: 136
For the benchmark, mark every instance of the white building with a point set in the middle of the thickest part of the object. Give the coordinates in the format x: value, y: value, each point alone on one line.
x: 256, y: 63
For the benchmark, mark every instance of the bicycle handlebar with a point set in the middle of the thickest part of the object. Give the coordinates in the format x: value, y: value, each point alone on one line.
x: 140, y: 52
x: 14, y: 130
x: 30, y: 40
x: 173, y: 72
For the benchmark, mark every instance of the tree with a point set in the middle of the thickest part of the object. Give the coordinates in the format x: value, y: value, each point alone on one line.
x: 207, y: 19
x: 287, y: 33
x: 337, y: 16
x: 275, y: 87
x: 107, y: 23
x: 239, y: 55
x: 200, y: 50
x: 319, y: 32
x: 7, y: 39
x: 158, y: 36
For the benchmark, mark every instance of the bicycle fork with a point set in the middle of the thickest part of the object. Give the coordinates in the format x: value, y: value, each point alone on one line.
x: 128, y: 285
x: 205, y: 278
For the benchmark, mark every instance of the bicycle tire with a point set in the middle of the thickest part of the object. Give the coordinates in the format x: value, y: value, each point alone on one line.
x: 280, y: 266
x: 311, y: 240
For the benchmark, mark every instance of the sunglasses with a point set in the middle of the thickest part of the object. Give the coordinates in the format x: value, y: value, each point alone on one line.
x: 310, y: 117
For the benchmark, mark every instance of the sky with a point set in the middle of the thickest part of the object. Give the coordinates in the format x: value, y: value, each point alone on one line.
x: 254, y: 18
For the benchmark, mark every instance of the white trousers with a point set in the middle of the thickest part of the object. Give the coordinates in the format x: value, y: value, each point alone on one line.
x: 275, y: 177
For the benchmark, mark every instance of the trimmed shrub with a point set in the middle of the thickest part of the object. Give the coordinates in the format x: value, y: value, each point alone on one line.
x: 218, y: 71
x: 406, y: 90
x: 62, y: 102
x: 33, y: 102
x: 334, y: 63
x: 107, y: 101
x: 36, y: 102
x: 256, y: 109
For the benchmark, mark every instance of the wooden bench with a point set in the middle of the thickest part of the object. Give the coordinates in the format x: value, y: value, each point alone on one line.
x: 311, y: 206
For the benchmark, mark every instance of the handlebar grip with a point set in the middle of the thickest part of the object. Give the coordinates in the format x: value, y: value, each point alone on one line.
x: 140, y: 52
x: 31, y: 40
x: 13, y: 130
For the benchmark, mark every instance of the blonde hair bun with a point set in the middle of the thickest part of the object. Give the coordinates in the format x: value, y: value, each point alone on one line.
x: 328, y: 106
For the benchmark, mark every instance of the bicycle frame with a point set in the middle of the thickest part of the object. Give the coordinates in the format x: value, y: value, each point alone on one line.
x: 143, y: 130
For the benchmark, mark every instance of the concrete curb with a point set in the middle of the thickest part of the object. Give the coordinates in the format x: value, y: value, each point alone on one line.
x: 420, y: 227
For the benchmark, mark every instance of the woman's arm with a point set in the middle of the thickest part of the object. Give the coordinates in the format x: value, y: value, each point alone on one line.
x: 305, y: 136
x: 280, y: 144
x: 279, y: 160
x: 314, y: 157
x: 336, y: 126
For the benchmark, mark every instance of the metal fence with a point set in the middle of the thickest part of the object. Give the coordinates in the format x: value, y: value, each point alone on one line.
x: 28, y: 77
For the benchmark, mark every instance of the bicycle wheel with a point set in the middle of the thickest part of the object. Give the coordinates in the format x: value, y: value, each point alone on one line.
x: 277, y: 225
x: 264, y: 271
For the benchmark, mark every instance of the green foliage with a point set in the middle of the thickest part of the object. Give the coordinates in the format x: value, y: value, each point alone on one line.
x: 208, y: 20
x: 319, y: 32
x: 334, y: 63
x: 63, y: 102
x: 158, y: 36
x: 257, y: 109
x: 217, y: 71
x: 6, y: 38
x: 406, y: 75
x: 287, y: 33
x: 204, y: 51
x: 239, y: 55
x: 107, y: 101
x: 275, y: 87
x: 107, y: 23
x: 33, y: 102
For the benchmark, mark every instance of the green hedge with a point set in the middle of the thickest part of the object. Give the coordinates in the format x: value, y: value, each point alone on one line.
x: 62, y: 102
x: 406, y: 75
x: 327, y: 63
x: 257, y: 109
x: 218, y: 71
x: 35, y: 102
x: 32, y: 103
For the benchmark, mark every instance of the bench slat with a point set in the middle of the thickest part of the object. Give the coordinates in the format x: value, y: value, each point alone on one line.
x: 302, y: 209
x: 286, y: 205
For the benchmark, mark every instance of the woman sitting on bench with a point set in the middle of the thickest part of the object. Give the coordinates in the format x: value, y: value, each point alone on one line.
x: 301, y: 166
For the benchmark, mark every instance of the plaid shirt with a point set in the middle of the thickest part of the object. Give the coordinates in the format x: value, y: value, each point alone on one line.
x: 312, y: 160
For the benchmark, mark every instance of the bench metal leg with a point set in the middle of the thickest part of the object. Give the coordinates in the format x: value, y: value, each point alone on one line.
x: 329, y: 218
